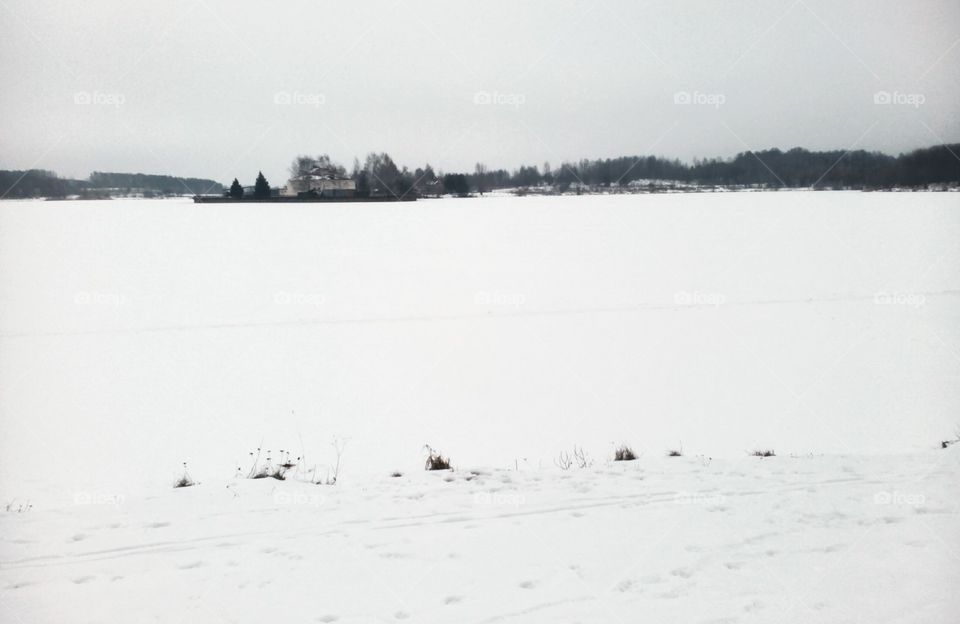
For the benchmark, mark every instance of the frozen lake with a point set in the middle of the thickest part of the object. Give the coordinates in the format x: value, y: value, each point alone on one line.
x: 139, y: 334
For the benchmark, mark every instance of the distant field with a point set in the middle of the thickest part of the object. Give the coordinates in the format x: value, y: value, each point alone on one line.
x: 140, y: 334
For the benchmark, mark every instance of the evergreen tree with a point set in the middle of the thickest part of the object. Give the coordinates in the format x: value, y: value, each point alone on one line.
x: 456, y: 183
x: 261, y: 188
x: 236, y: 191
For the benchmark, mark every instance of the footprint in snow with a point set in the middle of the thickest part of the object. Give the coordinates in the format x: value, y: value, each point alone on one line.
x: 192, y: 565
x: 756, y: 605
x: 624, y: 586
x: 328, y: 618
x: 528, y: 584
x: 158, y: 525
x: 400, y: 615
x: 80, y: 580
x: 682, y: 573
x: 449, y: 600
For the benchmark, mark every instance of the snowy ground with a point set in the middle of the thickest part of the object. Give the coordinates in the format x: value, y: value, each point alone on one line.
x: 136, y: 335
x: 804, y: 539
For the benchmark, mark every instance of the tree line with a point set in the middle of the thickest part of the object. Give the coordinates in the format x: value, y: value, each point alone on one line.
x: 44, y: 183
x: 379, y: 174
x: 794, y: 168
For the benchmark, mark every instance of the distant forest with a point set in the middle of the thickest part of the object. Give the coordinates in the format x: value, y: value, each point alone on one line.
x: 773, y: 168
x: 796, y: 168
x: 42, y: 183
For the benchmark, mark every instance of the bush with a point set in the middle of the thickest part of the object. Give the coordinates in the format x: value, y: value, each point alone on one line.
x: 436, y: 461
x: 624, y: 453
x: 946, y: 443
x: 580, y: 458
x: 763, y: 453
x: 333, y: 472
x: 268, y: 469
x: 675, y: 453
x: 185, y: 480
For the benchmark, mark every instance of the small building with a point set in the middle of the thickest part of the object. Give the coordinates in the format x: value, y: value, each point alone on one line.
x: 321, y: 182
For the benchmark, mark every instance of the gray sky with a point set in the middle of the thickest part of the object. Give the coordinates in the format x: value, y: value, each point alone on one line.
x: 218, y: 88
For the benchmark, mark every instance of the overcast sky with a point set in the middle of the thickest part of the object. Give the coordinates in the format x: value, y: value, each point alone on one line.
x: 222, y: 88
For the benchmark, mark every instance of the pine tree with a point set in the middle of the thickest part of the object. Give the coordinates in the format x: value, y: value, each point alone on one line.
x: 261, y: 188
x: 236, y: 191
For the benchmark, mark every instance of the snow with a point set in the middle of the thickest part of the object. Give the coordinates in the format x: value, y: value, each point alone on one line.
x: 139, y: 334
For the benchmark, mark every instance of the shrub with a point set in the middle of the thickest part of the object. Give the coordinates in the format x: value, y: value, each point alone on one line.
x: 15, y: 507
x: 564, y: 461
x: 675, y: 453
x: 436, y: 461
x: 763, y: 453
x: 396, y: 473
x: 624, y: 453
x: 185, y: 480
x: 946, y: 443
x: 268, y: 469
x: 333, y: 472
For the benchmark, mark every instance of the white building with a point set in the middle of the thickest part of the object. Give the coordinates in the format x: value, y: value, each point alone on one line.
x: 323, y: 181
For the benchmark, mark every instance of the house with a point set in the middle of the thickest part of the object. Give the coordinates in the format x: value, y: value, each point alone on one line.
x: 321, y: 182
x: 431, y: 188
